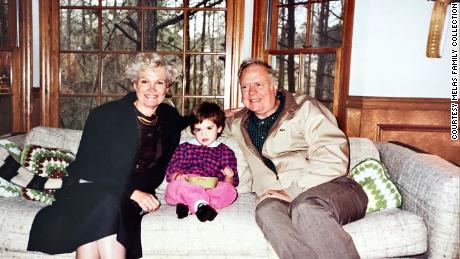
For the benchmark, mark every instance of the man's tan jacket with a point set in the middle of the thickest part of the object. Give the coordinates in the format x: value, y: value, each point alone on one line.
x: 305, y: 144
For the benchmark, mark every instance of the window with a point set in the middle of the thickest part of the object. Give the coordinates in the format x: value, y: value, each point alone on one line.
x: 303, y: 40
x: 99, y: 37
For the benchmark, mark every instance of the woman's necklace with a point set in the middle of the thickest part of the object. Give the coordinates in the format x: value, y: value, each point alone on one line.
x: 146, y: 120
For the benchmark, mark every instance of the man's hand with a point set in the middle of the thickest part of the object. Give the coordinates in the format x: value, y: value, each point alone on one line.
x: 275, y: 194
x: 146, y: 201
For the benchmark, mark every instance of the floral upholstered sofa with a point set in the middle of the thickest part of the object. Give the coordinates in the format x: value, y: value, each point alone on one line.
x: 427, y: 224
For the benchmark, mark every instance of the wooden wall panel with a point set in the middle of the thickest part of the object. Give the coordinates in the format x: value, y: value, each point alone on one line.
x: 432, y: 139
x: 423, y: 123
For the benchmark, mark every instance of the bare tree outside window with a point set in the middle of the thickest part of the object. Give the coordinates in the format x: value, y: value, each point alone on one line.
x: 308, y: 34
x: 98, y: 39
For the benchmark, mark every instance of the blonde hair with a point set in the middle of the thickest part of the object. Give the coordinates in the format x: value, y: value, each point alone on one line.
x: 144, y: 61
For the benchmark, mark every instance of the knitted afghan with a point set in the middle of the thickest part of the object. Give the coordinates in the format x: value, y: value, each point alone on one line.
x: 13, y: 172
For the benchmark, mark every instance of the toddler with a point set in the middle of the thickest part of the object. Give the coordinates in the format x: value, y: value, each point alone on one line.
x: 204, y: 155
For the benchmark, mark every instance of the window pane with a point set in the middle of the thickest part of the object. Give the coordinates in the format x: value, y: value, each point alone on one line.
x: 78, y: 2
x: 192, y: 102
x: 206, y: 31
x: 207, y: 3
x: 121, y: 30
x: 78, y: 73
x: 327, y: 24
x: 74, y: 111
x: 5, y: 72
x: 79, y: 29
x: 292, y: 24
x: 177, y: 103
x: 287, y: 69
x: 163, y: 30
x: 319, y: 73
x: 206, y: 75
x: 4, y: 39
x: 5, y: 119
x: 114, y: 79
x: 109, y: 99
x: 121, y: 2
x: 285, y: 2
x: 176, y: 61
x: 164, y: 3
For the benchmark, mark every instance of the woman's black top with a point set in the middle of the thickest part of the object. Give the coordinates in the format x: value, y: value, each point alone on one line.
x: 118, y: 155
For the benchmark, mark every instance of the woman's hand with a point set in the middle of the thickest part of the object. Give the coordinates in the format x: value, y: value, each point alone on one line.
x: 146, y: 201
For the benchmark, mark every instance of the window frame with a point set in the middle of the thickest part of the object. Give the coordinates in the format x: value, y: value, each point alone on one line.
x: 50, y: 57
x: 266, y: 33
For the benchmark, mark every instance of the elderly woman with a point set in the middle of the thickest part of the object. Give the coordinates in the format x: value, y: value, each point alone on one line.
x: 125, y: 148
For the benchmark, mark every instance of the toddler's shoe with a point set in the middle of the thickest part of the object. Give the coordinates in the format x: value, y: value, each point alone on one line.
x: 181, y: 210
x: 205, y: 212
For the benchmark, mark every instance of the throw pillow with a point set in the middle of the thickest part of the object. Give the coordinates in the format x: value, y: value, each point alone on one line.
x: 372, y: 175
x: 8, y: 189
x: 45, y: 162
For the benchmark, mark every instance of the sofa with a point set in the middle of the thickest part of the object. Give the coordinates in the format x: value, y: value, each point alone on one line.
x: 426, y: 226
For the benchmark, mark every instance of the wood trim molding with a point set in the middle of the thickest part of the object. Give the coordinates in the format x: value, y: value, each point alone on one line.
x: 24, y: 69
x: 237, y: 42
x: 381, y: 128
x: 345, y: 63
x: 45, y: 62
x: 422, y: 123
x: 258, y: 28
x: 399, y: 103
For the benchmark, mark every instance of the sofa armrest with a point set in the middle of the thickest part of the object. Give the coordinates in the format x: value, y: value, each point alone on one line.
x: 16, y: 138
x: 429, y: 186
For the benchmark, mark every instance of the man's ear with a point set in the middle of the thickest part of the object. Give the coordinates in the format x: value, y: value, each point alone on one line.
x: 275, y: 84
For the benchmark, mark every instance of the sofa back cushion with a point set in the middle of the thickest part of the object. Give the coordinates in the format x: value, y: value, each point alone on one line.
x: 68, y: 139
x: 362, y: 149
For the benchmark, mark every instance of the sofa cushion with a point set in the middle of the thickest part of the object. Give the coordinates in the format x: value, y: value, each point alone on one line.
x: 389, y: 233
x: 233, y: 234
x: 66, y: 139
x: 373, y: 177
x: 362, y: 149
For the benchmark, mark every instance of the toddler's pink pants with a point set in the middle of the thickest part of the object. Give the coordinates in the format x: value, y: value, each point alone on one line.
x: 180, y: 191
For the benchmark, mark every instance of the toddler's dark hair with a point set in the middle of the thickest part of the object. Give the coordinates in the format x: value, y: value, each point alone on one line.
x: 210, y: 111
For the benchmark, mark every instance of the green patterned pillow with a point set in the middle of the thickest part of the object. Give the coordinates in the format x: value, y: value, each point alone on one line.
x: 373, y: 177
x: 8, y: 189
x: 46, y: 162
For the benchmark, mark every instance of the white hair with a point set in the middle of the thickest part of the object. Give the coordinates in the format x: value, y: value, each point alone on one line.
x: 144, y: 61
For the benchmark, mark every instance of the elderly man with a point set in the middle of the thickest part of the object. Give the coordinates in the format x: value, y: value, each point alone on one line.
x: 299, y: 159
